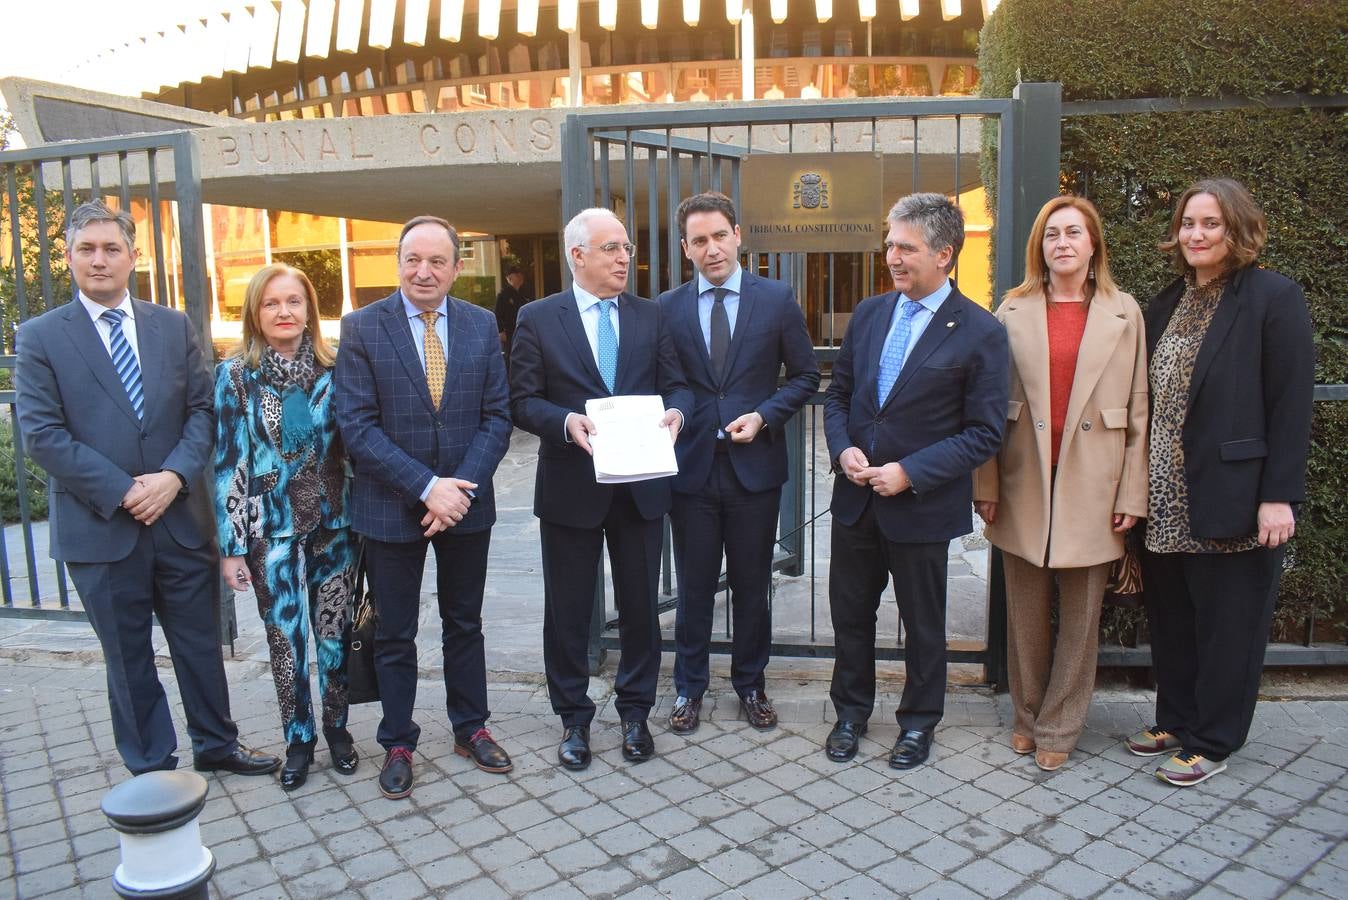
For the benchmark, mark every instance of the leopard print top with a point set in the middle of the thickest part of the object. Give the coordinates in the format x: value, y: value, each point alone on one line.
x: 1171, y: 371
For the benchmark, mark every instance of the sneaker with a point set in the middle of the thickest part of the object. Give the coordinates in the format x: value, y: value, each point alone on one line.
x: 1152, y: 742
x: 1184, y: 769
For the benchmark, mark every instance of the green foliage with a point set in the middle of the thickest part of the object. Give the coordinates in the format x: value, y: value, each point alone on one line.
x: 1295, y: 162
x: 30, y: 262
x: 36, y: 481
x: 479, y: 290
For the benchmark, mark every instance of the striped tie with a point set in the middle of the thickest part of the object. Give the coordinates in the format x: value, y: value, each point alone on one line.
x: 124, y: 361
x: 607, y: 339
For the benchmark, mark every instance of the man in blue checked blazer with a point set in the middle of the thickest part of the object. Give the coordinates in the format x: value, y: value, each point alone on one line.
x: 595, y: 340
x: 114, y: 401
x: 421, y: 400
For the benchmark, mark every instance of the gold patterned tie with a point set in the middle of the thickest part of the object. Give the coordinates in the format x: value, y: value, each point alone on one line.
x: 435, y: 358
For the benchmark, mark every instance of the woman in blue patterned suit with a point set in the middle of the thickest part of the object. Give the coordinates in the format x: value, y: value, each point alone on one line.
x: 281, y: 501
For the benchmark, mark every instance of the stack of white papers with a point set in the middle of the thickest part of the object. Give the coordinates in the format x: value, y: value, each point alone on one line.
x: 630, y: 444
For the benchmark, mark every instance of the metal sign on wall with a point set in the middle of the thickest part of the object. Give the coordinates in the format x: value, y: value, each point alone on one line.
x: 811, y: 202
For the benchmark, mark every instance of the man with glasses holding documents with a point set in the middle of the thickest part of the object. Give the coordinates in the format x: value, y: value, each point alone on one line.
x: 591, y: 342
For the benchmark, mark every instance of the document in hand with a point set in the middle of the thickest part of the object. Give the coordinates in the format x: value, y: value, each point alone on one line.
x: 629, y: 443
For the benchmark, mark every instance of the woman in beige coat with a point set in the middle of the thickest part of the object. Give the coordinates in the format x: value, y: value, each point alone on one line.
x: 1071, y: 477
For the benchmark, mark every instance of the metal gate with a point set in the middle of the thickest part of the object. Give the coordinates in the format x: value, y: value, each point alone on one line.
x: 143, y: 174
x: 642, y: 163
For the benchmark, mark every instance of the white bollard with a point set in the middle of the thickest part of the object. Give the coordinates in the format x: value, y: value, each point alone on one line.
x: 162, y: 856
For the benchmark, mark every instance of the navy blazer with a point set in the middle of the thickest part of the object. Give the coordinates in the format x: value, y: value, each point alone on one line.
x: 1248, y: 425
x: 396, y: 438
x: 553, y: 372
x: 78, y: 425
x: 769, y: 332
x: 942, y: 419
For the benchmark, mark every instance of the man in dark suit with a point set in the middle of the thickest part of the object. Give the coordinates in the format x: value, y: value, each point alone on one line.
x: 733, y: 331
x: 115, y: 402
x: 916, y: 403
x: 508, y: 303
x: 421, y: 400
x: 595, y: 340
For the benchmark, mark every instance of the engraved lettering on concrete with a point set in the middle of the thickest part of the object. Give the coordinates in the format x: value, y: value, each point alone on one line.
x: 465, y: 137
x: 541, y: 134
x: 430, y: 140
x: 291, y: 142
x: 326, y: 147
x: 356, y: 154
x: 266, y: 144
x: 229, y: 150
x: 504, y: 134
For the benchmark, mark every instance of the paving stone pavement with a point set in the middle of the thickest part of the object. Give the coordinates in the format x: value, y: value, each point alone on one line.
x: 727, y: 812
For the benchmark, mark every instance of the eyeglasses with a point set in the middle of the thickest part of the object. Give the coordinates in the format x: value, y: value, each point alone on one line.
x: 612, y: 248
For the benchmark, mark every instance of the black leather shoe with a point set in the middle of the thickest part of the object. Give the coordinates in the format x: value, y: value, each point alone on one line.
x: 686, y: 715
x: 345, y: 759
x: 484, y: 752
x: 758, y: 710
x: 843, y: 740
x: 638, y: 745
x: 241, y: 762
x: 574, y: 751
x: 911, y: 749
x: 295, y: 772
x: 395, y: 781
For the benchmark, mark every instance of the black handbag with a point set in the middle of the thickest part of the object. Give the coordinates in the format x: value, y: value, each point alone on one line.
x: 362, y: 682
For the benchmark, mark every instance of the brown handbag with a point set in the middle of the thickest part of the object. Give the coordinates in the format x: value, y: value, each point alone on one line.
x: 1124, y: 588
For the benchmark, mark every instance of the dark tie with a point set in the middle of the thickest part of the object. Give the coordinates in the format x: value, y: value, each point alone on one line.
x: 720, y: 332
x: 124, y: 361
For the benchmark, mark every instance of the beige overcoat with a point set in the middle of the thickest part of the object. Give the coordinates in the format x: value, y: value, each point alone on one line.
x: 1102, y: 464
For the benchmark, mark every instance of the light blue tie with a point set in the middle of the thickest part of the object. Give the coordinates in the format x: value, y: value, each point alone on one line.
x: 124, y: 361
x: 896, y: 348
x: 608, y: 346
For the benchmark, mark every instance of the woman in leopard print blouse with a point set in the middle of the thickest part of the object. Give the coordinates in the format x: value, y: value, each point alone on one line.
x: 1232, y: 371
x: 281, y: 501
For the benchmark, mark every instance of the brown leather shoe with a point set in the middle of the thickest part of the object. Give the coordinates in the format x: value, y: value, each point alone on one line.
x: 686, y: 715
x: 758, y: 710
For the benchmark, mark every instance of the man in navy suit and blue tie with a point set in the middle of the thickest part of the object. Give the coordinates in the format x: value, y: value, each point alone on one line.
x: 595, y: 340
x: 916, y: 403
x: 734, y: 331
x: 421, y: 399
x: 115, y: 403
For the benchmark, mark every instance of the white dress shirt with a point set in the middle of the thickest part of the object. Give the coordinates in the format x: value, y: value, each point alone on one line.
x: 104, y: 327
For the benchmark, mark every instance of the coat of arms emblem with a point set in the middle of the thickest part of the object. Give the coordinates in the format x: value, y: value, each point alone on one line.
x: 810, y: 192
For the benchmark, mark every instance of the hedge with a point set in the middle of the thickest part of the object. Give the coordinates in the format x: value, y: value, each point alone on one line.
x: 1295, y: 162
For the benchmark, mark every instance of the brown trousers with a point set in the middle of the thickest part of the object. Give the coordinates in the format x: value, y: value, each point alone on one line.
x: 1051, y: 685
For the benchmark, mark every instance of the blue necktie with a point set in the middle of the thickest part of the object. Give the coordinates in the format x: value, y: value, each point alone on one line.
x: 608, y: 346
x: 124, y: 361
x: 896, y: 348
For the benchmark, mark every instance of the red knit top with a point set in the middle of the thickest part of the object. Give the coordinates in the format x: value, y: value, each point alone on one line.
x: 1066, y: 325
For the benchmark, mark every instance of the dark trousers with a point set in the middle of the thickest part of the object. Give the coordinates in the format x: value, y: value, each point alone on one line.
x: 723, y: 517
x: 395, y: 571
x: 182, y: 588
x: 570, y: 569
x: 1209, y: 616
x: 862, y: 563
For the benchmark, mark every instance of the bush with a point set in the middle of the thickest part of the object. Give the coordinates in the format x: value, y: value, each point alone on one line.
x: 9, y: 494
x: 1294, y: 161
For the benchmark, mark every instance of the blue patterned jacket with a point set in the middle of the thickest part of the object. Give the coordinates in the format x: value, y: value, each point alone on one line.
x: 259, y: 492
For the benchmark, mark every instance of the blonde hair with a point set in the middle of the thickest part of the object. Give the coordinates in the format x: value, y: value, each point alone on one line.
x: 1036, y: 268
x: 250, y: 346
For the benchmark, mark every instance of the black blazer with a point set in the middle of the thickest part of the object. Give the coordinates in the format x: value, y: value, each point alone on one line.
x: 553, y: 372
x: 769, y: 331
x: 1247, y: 430
x: 942, y: 419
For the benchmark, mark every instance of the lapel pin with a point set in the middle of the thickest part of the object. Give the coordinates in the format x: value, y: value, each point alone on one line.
x: 950, y: 324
